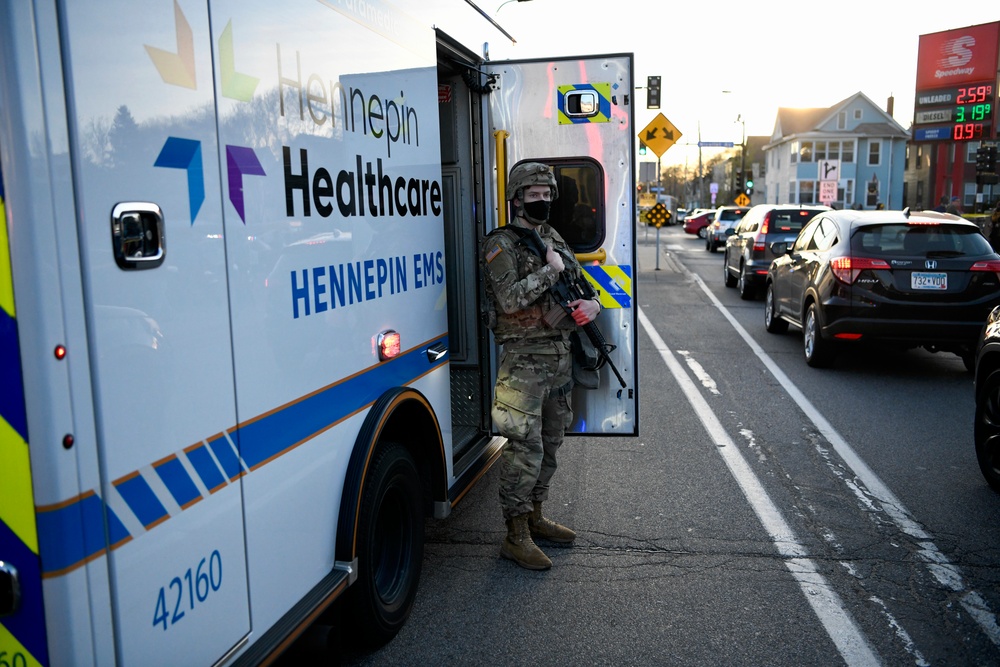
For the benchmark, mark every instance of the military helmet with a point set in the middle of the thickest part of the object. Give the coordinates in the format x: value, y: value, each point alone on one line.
x: 530, y: 173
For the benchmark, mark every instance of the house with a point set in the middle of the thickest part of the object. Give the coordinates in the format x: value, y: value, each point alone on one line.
x: 849, y: 155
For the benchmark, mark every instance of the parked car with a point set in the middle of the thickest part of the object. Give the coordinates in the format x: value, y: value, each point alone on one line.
x: 986, y: 431
x: 910, y: 279
x: 748, y: 252
x: 725, y: 217
x: 697, y: 221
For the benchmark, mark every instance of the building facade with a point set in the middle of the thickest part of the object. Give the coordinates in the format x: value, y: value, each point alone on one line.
x: 850, y: 155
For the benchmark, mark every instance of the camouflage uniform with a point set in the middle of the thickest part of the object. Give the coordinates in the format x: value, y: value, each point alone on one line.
x: 532, y: 406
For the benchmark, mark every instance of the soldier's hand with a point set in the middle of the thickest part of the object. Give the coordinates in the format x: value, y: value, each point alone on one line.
x: 585, y: 310
x: 554, y: 259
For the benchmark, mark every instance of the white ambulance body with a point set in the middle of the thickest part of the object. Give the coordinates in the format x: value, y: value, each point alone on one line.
x: 241, y: 338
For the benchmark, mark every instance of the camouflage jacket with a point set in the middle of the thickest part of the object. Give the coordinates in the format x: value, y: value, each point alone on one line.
x: 517, y: 285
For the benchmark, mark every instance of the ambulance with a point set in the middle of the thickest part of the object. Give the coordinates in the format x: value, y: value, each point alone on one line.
x: 242, y: 344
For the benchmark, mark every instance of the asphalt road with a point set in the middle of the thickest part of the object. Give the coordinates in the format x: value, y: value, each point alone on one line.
x: 768, y: 514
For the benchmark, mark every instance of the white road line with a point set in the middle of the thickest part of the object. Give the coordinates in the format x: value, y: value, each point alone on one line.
x: 943, y: 570
x: 838, y: 623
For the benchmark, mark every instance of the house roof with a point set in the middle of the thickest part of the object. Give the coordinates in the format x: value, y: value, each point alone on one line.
x: 790, y: 121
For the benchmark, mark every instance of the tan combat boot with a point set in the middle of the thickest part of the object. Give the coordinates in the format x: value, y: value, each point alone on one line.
x: 518, y: 547
x: 546, y: 529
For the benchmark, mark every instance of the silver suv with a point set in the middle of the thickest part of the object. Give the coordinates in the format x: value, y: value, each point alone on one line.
x: 725, y: 218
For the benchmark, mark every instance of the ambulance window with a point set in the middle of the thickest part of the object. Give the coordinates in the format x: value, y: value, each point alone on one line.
x: 578, y: 212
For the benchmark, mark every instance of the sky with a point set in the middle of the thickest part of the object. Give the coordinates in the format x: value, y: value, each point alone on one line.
x: 767, y: 54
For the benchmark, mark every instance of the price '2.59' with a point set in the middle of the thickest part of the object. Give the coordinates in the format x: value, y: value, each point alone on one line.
x: 194, y: 587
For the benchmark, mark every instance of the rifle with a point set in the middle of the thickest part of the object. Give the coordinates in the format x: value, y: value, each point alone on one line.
x: 565, y: 292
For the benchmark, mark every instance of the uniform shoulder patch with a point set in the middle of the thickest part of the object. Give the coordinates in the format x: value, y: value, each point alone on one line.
x: 493, y: 252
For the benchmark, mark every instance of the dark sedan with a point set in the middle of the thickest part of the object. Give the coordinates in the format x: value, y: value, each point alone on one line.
x: 909, y: 279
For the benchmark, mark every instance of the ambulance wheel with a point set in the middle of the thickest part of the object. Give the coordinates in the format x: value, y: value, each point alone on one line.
x: 390, y: 547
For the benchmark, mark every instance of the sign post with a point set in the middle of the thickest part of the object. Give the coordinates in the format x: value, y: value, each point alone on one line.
x: 658, y: 136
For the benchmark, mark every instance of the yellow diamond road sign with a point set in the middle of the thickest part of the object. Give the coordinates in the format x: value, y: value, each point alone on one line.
x: 660, y: 135
x: 742, y: 200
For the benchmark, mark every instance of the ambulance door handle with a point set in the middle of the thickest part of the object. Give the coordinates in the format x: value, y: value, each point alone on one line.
x: 137, y: 235
x: 436, y: 351
x: 10, y: 589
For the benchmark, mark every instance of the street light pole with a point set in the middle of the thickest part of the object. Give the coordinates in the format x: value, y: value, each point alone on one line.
x: 743, y: 148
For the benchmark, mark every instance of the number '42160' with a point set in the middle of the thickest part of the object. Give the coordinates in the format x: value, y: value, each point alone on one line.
x: 184, y: 592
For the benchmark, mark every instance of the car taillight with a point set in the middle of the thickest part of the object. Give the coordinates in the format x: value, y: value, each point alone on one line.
x: 846, y: 269
x: 989, y: 265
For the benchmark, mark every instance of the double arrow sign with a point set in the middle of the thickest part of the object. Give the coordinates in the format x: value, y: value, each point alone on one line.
x: 660, y: 135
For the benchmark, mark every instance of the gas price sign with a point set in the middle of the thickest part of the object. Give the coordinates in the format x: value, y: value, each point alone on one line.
x: 964, y: 113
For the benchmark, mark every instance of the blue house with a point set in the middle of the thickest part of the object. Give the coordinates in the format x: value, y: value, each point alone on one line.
x: 852, y: 154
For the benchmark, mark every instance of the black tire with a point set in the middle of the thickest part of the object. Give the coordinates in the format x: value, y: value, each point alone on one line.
x: 818, y: 351
x: 772, y: 322
x: 747, y: 291
x: 727, y: 277
x: 987, y: 429
x: 390, y: 547
x: 703, y: 233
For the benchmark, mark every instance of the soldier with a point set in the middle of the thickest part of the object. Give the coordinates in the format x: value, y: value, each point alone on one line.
x: 532, y: 394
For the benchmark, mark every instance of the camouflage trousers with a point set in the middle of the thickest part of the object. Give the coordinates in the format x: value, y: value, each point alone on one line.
x: 533, y: 409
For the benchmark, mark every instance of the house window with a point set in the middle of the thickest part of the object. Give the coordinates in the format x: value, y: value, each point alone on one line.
x: 847, y: 152
x: 795, y: 151
x: 906, y: 163
x: 807, y: 191
x: 842, y: 120
x: 806, y: 152
x: 848, y: 192
x: 969, y: 200
x: 820, y: 150
x: 970, y: 150
x: 857, y: 114
x: 920, y: 156
x: 874, y: 153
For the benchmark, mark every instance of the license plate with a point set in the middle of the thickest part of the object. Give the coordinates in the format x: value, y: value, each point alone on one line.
x: 929, y: 281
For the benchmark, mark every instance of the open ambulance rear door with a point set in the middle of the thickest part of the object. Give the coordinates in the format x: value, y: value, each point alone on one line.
x: 576, y: 115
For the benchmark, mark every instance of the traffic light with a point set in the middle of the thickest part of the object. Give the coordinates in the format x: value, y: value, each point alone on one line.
x: 749, y: 183
x: 638, y: 187
x: 986, y: 159
x: 642, y: 148
x: 652, y: 92
x: 739, y: 181
x: 986, y: 165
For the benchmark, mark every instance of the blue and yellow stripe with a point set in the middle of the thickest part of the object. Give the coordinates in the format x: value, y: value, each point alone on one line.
x: 22, y: 634
x: 612, y: 283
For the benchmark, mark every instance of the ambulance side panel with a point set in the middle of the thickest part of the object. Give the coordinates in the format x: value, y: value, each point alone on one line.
x: 329, y: 145
x: 47, y: 306
x: 143, y: 141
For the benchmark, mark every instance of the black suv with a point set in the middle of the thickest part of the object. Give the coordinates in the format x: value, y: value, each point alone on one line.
x: 910, y: 279
x: 748, y: 252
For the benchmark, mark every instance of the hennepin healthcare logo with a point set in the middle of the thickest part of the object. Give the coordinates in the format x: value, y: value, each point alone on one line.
x: 955, y: 54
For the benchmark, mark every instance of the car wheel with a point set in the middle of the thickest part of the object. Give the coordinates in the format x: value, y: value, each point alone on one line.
x: 702, y: 233
x: 987, y: 429
x: 818, y: 351
x: 747, y: 292
x: 727, y: 277
x: 772, y: 322
x: 390, y: 547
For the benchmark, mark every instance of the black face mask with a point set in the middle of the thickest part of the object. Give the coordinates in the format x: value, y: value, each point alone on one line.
x: 537, y: 212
